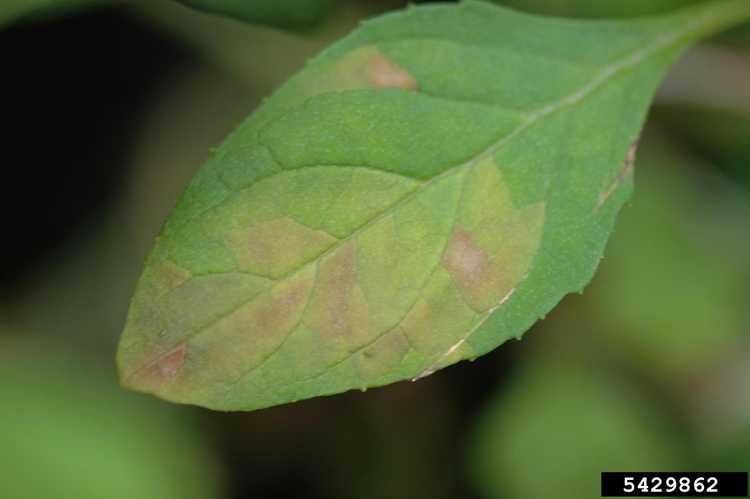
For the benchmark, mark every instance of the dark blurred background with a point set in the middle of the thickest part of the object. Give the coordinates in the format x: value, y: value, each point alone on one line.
x: 109, y: 109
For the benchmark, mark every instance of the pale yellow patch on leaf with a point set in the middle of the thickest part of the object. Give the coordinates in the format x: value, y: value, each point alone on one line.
x: 382, y: 356
x: 438, y: 316
x: 204, y: 297
x: 276, y: 247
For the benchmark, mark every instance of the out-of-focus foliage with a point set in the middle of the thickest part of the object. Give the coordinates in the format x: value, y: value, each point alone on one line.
x: 556, y: 426
x: 687, y: 229
x: 706, y: 102
x: 282, y: 13
x: 15, y: 10
x: 246, y: 49
x: 718, y: 134
x: 735, y: 456
x: 68, y: 432
x: 597, y: 8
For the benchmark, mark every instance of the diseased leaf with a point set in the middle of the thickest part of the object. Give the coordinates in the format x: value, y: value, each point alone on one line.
x: 282, y: 13
x: 421, y: 192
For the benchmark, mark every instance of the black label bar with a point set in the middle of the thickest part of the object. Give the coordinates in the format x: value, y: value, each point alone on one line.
x: 674, y: 484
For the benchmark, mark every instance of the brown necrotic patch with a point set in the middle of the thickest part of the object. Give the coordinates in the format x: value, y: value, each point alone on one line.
x: 167, y: 276
x: 383, y: 73
x: 483, y: 278
x: 627, y: 168
x: 362, y: 68
x: 339, y: 311
x: 162, y: 369
x: 493, y: 242
x: 468, y: 263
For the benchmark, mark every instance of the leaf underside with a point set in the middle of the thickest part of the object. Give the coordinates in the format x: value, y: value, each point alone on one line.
x: 421, y: 192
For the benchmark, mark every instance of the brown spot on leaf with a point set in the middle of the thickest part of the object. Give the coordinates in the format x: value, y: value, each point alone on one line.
x: 169, y: 364
x: 382, y: 73
x: 167, y: 277
x: 464, y: 259
x: 337, y: 282
x: 361, y: 68
x: 274, y: 314
x: 627, y: 168
x: 493, y: 242
x: 339, y: 310
x: 173, y: 275
x: 164, y: 368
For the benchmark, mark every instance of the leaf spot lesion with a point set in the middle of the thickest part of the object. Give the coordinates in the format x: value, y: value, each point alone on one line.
x: 163, y: 368
x: 466, y: 261
x: 628, y: 166
x: 383, y: 73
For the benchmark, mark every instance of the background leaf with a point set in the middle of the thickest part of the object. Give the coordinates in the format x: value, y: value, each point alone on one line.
x: 589, y: 9
x: 542, y: 438
x: 282, y: 13
x: 15, y: 10
x: 49, y: 449
x: 693, y: 317
x: 380, y: 217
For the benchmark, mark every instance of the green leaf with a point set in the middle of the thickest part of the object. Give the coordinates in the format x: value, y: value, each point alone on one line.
x: 424, y: 190
x: 282, y: 13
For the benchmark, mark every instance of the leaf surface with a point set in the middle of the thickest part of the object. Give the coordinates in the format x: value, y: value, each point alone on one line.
x: 421, y: 192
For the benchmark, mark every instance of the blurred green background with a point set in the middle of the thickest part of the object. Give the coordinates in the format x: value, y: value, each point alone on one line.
x: 110, y: 108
